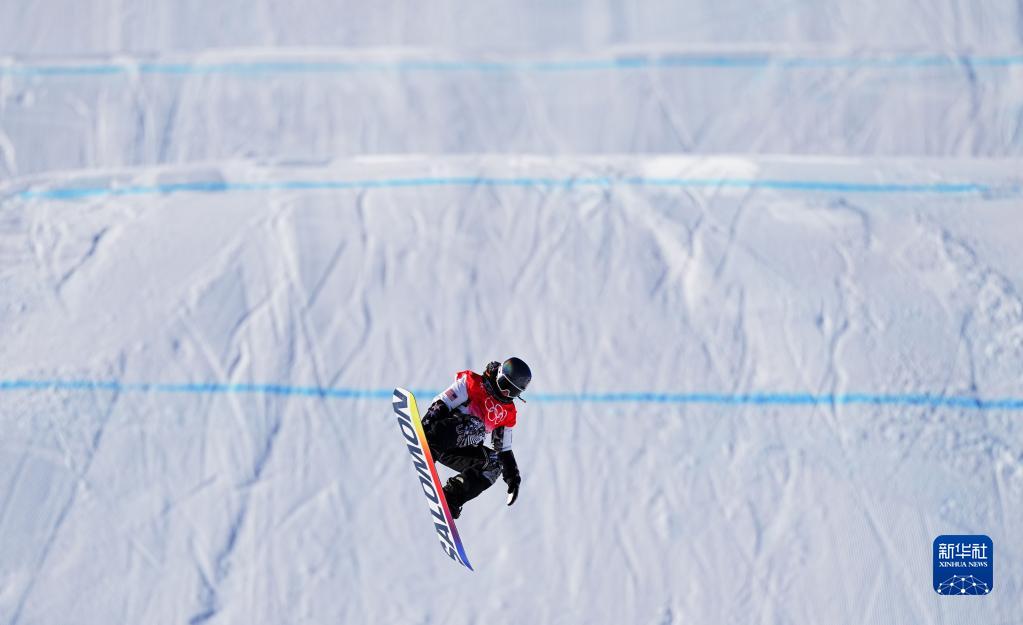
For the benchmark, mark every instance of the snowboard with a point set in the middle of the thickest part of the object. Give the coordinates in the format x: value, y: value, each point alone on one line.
x: 404, y: 404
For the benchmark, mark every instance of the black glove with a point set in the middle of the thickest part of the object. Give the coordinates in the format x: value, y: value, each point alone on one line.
x: 510, y: 473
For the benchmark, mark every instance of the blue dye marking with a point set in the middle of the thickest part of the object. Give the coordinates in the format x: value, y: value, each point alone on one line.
x: 196, y: 388
x: 755, y: 399
x: 74, y: 193
x: 751, y: 61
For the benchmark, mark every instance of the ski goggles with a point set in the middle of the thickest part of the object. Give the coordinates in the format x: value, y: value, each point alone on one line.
x: 507, y: 387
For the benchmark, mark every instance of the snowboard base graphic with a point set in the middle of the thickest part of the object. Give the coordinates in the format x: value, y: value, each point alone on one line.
x: 404, y: 404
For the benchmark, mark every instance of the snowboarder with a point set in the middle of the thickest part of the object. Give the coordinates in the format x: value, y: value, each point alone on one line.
x: 461, y: 418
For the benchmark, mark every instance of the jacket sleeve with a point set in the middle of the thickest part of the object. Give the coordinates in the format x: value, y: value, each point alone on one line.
x: 454, y: 395
x: 502, y: 439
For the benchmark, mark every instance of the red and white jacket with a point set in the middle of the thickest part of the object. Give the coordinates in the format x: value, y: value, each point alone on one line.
x: 482, y: 415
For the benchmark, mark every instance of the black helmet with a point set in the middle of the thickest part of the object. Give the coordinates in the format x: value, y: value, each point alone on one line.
x: 513, y: 377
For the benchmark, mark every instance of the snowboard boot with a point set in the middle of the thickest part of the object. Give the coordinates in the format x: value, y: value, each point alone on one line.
x: 454, y: 493
x: 462, y: 488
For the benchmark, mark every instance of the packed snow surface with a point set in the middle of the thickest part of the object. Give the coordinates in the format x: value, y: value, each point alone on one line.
x: 763, y: 259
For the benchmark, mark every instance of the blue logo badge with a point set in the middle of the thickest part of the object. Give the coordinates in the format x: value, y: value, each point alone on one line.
x: 963, y: 565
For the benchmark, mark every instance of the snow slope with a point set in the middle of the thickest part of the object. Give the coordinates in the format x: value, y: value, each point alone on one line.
x: 763, y: 384
x: 311, y: 104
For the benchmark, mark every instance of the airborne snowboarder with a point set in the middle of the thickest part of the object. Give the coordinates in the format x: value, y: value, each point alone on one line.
x: 460, y: 419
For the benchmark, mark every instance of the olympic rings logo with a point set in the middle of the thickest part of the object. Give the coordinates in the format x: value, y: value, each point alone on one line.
x: 495, y: 412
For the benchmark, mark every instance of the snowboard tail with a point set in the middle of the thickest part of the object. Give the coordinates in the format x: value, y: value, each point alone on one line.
x: 404, y: 404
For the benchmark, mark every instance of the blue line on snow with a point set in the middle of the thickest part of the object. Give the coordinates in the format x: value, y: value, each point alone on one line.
x: 195, y: 388
x: 465, y: 181
x: 757, y: 399
x: 695, y: 61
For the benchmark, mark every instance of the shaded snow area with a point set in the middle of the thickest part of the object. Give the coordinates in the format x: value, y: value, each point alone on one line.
x: 763, y: 259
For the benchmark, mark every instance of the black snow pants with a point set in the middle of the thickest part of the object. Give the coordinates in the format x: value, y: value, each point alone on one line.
x: 478, y: 466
